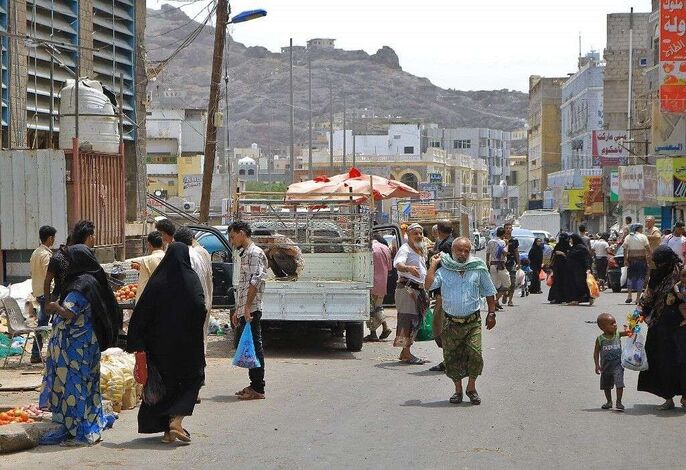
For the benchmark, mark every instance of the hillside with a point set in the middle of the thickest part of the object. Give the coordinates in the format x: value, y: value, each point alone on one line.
x: 374, y: 85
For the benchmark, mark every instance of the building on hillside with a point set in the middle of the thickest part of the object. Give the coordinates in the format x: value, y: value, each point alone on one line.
x: 544, y: 131
x: 518, y: 183
x: 321, y: 43
x: 616, y: 78
x: 490, y: 145
x: 581, y: 113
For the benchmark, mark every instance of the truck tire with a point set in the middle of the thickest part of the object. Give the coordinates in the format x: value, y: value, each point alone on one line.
x: 354, y: 336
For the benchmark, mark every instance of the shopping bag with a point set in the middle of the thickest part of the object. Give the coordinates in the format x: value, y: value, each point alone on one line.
x: 592, y: 286
x: 634, y: 354
x: 520, y: 277
x: 542, y: 275
x: 154, y: 389
x: 140, y: 369
x: 425, y: 332
x: 245, y: 355
x: 550, y: 280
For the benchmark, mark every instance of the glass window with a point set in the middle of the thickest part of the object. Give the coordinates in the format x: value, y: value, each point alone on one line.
x: 251, y: 172
x: 241, y: 172
x: 409, y: 150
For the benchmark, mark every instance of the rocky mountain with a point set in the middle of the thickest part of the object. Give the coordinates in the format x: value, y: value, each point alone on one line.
x: 372, y: 85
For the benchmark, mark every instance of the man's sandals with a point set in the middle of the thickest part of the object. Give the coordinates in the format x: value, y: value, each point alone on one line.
x: 474, y: 398
x: 248, y: 393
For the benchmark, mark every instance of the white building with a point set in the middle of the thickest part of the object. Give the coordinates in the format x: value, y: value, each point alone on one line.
x: 321, y: 43
x: 581, y: 112
x: 400, y: 139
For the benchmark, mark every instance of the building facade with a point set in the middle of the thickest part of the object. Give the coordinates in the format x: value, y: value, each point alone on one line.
x: 581, y: 112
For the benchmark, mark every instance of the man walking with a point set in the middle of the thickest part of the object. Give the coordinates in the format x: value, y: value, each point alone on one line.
x: 676, y: 240
x: 444, y: 243
x: 496, y: 252
x: 40, y: 259
x: 251, y: 283
x: 146, y: 265
x: 463, y: 281
x: 382, y: 263
x: 167, y: 229
x: 654, y: 237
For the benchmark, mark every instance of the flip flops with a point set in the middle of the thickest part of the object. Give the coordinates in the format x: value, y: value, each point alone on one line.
x: 474, y: 397
x: 415, y: 361
x: 456, y: 399
x: 385, y: 334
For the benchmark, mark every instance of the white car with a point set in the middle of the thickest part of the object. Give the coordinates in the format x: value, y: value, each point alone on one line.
x: 542, y: 234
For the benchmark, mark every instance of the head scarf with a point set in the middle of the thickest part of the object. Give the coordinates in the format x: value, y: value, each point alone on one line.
x: 415, y: 226
x: 86, y: 276
x: 563, y: 243
x: 661, y: 283
x: 536, y: 253
x: 472, y: 264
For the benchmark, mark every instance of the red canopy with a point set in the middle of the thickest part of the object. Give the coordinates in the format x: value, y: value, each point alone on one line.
x: 336, y: 188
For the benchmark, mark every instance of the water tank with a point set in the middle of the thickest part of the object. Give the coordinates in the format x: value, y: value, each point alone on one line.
x: 98, y: 122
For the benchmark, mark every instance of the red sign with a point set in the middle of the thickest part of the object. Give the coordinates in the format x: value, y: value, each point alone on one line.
x: 673, y: 56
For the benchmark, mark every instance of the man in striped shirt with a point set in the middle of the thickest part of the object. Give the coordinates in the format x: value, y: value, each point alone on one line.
x: 251, y: 283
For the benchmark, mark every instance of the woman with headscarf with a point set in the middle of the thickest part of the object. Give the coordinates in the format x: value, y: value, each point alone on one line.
x: 557, y: 293
x: 88, y: 321
x: 666, y: 342
x: 167, y: 324
x: 536, y: 264
x: 578, y: 267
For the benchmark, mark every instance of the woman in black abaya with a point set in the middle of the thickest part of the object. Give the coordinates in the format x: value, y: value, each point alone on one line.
x: 666, y: 341
x: 578, y: 266
x: 557, y: 294
x: 536, y: 263
x: 167, y: 324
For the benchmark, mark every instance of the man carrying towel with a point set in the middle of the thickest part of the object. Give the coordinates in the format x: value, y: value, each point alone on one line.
x: 463, y: 281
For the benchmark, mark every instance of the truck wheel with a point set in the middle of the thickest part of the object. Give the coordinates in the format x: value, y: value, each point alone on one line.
x: 354, y: 335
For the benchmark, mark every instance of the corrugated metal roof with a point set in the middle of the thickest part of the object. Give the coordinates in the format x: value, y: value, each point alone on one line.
x: 32, y: 193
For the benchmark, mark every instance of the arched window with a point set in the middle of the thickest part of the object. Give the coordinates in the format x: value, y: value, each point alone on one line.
x: 241, y: 172
x: 251, y: 172
x: 409, y: 179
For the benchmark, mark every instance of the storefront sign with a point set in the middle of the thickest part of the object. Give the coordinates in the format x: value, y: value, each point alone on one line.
x: 672, y: 56
x: 638, y: 184
x: 614, y: 185
x: 671, y: 179
x: 423, y: 210
x: 607, y: 148
x: 435, y: 178
x: 572, y: 200
x: 669, y: 149
x: 593, y: 195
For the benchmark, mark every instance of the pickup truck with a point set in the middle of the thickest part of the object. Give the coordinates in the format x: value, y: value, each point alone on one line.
x: 333, y: 290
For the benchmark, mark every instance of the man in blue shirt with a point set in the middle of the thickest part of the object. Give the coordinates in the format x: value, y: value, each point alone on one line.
x: 463, y: 281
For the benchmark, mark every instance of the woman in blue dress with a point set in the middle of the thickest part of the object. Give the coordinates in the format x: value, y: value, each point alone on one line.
x: 87, y: 321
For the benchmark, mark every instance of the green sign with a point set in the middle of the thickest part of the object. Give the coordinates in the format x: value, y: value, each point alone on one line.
x: 614, y: 185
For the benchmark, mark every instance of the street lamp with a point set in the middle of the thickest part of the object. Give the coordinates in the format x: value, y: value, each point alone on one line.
x: 248, y: 15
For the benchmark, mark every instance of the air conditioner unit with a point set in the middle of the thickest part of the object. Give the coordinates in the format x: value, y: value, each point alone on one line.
x: 643, y: 62
x: 188, y: 206
x: 161, y: 193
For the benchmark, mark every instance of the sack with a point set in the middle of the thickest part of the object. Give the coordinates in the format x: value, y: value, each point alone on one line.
x: 245, y: 355
x: 425, y: 332
x: 592, y: 284
x: 542, y: 275
x: 154, y: 389
x: 634, y: 354
x: 550, y: 280
x: 140, y: 370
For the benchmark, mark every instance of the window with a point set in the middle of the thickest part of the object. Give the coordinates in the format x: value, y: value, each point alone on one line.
x: 435, y: 144
x: 396, y: 137
x: 462, y: 144
x: 171, y: 183
x: 513, y: 178
x: 241, y: 172
x: 409, y: 150
x: 251, y: 172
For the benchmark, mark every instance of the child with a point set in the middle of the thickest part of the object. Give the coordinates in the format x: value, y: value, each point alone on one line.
x: 608, y: 359
x: 680, y: 291
x: 526, y: 267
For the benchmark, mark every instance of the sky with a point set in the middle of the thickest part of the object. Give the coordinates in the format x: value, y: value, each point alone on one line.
x: 465, y: 45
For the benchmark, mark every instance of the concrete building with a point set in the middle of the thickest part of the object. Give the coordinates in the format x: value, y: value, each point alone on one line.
x: 581, y: 112
x: 616, y: 77
x: 247, y: 169
x: 544, y: 131
x: 518, y: 182
x: 321, y: 43
x: 397, y: 139
x: 490, y: 145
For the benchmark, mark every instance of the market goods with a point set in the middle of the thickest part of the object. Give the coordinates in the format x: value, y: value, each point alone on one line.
x: 17, y: 415
x: 117, y: 383
x: 126, y: 293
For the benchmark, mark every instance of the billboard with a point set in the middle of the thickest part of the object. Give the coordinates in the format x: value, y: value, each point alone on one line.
x: 572, y: 200
x: 607, y: 148
x: 594, y: 198
x: 614, y: 185
x: 671, y: 179
x: 638, y: 184
x: 672, y: 56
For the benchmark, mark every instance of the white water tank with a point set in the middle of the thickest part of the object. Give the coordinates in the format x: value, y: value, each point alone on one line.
x: 98, y: 122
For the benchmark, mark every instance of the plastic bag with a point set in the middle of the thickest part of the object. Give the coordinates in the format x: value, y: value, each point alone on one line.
x: 634, y: 354
x: 520, y: 277
x: 425, y: 332
x: 245, y: 355
x: 592, y: 284
x: 154, y: 389
x: 140, y: 370
x: 550, y: 280
x: 6, y: 347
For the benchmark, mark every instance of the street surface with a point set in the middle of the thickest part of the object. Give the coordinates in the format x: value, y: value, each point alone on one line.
x: 328, y: 408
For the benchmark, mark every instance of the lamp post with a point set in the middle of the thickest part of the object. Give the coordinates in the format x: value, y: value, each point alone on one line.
x: 223, y: 11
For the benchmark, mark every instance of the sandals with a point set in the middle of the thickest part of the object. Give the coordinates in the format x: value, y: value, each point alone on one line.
x: 371, y: 339
x: 251, y: 394
x: 415, y: 361
x: 385, y: 334
x: 666, y: 406
x: 456, y: 399
x: 628, y: 301
x: 619, y: 407
x: 474, y: 397
x: 606, y: 406
x: 438, y: 368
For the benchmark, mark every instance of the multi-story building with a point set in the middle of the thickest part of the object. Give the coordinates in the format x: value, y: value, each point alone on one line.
x: 544, y: 131
x: 581, y: 112
x: 518, y: 182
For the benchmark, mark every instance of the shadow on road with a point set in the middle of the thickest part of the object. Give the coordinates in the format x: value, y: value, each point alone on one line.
x: 152, y: 443
x: 432, y: 404
x: 642, y: 410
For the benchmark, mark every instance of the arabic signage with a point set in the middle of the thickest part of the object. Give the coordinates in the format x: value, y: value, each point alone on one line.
x: 638, y: 184
x: 422, y: 210
x: 572, y: 200
x: 593, y: 195
x: 672, y: 56
x: 607, y: 148
x: 614, y: 185
x: 671, y: 179
x: 435, y: 178
x: 670, y: 149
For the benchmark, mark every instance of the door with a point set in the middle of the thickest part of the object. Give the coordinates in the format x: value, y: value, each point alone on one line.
x: 219, y: 248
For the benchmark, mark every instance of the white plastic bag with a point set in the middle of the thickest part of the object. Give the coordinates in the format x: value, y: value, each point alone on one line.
x: 521, y: 278
x: 634, y: 354
x: 624, y: 274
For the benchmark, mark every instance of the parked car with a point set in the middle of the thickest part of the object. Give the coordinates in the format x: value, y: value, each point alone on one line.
x: 542, y: 234
x: 526, y: 241
x: 615, y: 270
x: 479, y: 241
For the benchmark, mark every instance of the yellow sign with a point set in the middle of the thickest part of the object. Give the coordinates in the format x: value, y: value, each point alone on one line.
x: 671, y: 179
x: 572, y: 200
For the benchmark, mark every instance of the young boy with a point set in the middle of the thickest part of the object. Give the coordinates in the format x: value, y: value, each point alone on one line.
x: 608, y: 360
x: 680, y: 292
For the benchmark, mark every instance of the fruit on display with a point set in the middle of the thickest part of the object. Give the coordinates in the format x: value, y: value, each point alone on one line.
x: 27, y: 414
x: 126, y: 293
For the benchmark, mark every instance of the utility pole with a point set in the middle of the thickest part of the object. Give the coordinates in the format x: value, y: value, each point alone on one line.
x: 292, y: 114
x: 345, y: 163
x: 330, y: 129
x: 352, y: 131
x: 631, y: 76
x: 227, y: 150
x: 212, y: 106
x: 309, y: 150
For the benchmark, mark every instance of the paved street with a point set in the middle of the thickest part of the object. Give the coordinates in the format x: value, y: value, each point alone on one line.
x: 327, y: 408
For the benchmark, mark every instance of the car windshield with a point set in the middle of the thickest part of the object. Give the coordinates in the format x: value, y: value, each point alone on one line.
x: 525, y: 244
